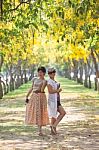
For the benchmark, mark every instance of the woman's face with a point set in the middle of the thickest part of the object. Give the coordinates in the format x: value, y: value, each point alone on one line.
x: 52, y: 75
x: 41, y: 74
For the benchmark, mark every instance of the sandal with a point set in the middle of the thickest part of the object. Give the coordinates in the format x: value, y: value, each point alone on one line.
x: 40, y: 134
x: 53, y: 130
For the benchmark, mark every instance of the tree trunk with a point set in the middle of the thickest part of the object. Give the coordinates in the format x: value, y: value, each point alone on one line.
x: 17, y: 82
x: 75, y: 70
x: 4, y: 88
x: 86, y: 76
x: 90, y: 71
x: 31, y: 74
x: 7, y: 86
x: 95, y: 84
x: 81, y: 75
x: 89, y: 83
x: 96, y: 68
x: 11, y: 79
x: 11, y: 82
x: 21, y: 74
x: 25, y: 77
x: 67, y: 73
x: 1, y: 89
x: 80, y: 79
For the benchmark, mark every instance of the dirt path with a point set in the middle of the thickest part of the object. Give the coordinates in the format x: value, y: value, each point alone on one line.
x: 77, y: 131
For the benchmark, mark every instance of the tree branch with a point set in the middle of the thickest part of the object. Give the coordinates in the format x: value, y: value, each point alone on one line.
x: 27, y: 2
x: 96, y: 54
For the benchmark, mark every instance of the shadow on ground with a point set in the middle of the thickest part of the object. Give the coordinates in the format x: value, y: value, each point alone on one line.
x: 77, y: 131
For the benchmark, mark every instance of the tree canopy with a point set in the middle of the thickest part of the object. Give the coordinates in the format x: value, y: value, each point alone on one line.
x: 35, y: 32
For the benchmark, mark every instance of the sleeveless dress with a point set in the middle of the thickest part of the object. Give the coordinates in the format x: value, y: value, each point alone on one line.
x: 36, y: 108
x: 53, y: 99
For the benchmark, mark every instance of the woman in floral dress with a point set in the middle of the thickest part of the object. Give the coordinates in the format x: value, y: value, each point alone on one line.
x: 36, y: 105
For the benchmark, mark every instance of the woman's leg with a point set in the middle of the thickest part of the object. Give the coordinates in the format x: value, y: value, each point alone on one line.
x: 40, y: 130
x: 61, y: 115
x: 52, y: 122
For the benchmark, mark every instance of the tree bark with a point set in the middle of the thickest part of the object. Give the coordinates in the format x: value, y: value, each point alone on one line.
x: 4, y: 88
x: 81, y: 75
x: 25, y: 77
x: 32, y: 72
x: 80, y: 79
x: 86, y: 75
x: 89, y: 85
x: 11, y: 79
x: 1, y: 88
x: 75, y: 70
x: 17, y: 82
x: 96, y: 68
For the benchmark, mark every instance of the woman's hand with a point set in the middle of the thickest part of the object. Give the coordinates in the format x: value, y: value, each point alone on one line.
x: 52, y: 91
x: 27, y: 100
x: 59, y: 90
x: 29, y: 92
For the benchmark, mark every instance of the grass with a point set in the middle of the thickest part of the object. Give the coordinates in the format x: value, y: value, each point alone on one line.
x: 70, y: 86
x: 19, y: 92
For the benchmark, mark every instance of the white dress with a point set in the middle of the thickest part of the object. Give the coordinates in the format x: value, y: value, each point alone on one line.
x: 52, y: 100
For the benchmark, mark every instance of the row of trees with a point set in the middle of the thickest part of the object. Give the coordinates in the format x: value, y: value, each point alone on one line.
x: 18, y: 26
x: 76, y: 23
x: 48, y: 32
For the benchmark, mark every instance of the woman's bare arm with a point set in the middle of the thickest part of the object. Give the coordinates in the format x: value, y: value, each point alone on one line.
x: 29, y: 92
x: 51, y: 90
